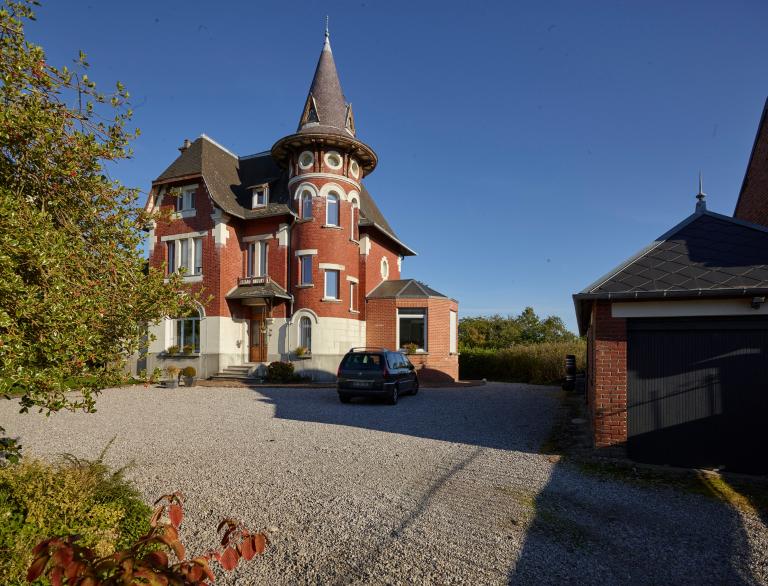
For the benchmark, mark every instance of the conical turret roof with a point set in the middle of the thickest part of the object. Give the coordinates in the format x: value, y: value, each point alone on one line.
x: 326, y: 109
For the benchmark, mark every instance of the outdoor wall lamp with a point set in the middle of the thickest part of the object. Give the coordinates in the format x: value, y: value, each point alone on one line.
x: 757, y: 302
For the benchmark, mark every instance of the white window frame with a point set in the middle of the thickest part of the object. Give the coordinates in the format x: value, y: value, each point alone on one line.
x: 311, y: 160
x: 305, y: 258
x: 257, y: 259
x: 337, y: 274
x: 306, y: 194
x: 305, y: 333
x: 185, y: 202
x: 178, y: 334
x: 453, y: 322
x: 337, y: 198
x: 327, y: 159
x: 194, y: 242
x: 353, y: 297
x: 424, y: 315
x: 260, y: 190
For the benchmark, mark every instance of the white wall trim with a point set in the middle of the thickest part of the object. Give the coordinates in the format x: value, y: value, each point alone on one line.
x: 332, y: 176
x: 299, y: 313
x: 185, y: 235
x: 258, y: 237
x: 306, y: 185
x: 352, y: 279
x: 330, y: 266
x: 336, y: 188
x: 283, y: 234
x: 306, y: 251
x: 687, y: 308
x: 365, y: 244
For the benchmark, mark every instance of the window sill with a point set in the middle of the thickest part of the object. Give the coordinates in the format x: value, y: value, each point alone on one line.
x: 306, y: 356
x: 181, y: 355
x: 330, y: 300
x: 417, y: 353
x: 184, y: 214
x: 354, y: 311
x: 189, y: 279
x: 305, y: 286
x: 304, y: 220
x: 331, y: 226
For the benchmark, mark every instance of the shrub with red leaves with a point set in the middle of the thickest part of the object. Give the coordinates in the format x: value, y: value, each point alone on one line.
x: 147, y: 560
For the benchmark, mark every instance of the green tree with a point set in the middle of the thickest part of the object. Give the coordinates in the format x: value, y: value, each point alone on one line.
x: 74, y: 287
x: 496, y: 331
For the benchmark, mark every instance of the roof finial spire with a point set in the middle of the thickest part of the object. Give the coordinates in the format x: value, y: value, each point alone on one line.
x: 327, y: 32
x: 701, y: 204
x: 327, y: 44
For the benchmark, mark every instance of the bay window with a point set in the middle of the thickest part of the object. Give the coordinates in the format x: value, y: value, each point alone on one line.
x: 412, y: 328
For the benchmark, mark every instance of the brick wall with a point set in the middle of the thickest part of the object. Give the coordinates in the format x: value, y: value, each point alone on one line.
x: 607, y: 381
x: 438, y: 364
x: 752, y: 205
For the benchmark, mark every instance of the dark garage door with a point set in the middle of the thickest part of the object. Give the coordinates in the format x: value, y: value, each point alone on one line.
x: 698, y: 392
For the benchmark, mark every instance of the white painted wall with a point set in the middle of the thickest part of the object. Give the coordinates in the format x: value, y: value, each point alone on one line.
x: 686, y: 308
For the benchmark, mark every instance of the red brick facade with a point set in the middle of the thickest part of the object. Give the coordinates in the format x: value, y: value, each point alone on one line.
x: 752, y: 205
x: 438, y: 363
x: 607, y: 378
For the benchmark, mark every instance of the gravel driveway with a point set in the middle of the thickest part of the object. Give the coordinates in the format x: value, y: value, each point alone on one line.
x: 447, y: 487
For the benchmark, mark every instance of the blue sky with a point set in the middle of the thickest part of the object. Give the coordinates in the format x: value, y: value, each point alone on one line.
x: 525, y: 148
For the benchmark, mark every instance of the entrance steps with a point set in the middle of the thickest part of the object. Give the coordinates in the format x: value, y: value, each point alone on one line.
x: 250, y: 371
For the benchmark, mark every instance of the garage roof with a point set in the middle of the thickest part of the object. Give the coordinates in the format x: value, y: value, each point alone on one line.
x: 706, y: 255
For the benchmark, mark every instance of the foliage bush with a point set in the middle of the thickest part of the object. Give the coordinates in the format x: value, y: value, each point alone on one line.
x: 188, y: 371
x: 542, y: 363
x: 281, y: 372
x: 38, y: 500
x: 497, y: 331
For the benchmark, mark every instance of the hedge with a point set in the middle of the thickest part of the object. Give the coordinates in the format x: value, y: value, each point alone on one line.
x: 542, y: 363
x: 40, y: 500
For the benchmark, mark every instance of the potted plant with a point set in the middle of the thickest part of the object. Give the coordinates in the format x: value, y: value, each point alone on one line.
x: 411, y: 348
x: 189, y: 373
x: 172, y: 372
x: 300, y: 351
x: 188, y: 348
x: 173, y: 350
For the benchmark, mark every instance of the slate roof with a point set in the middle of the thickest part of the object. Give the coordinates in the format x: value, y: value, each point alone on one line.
x: 331, y: 105
x: 706, y: 255
x: 269, y: 290
x: 229, y: 179
x: 403, y: 289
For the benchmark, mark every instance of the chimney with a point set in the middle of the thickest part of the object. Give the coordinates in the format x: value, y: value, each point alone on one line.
x: 185, y: 146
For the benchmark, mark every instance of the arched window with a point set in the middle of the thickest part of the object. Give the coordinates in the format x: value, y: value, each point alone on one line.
x: 305, y: 333
x: 306, y: 204
x: 353, y: 221
x: 332, y: 210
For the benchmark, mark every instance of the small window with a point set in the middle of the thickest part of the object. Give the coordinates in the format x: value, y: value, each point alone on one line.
x: 384, y: 267
x: 260, y: 197
x: 331, y: 284
x: 305, y: 333
x: 353, y: 222
x: 186, y: 200
x: 198, y: 265
x: 184, y: 254
x: 171, y: 248
x: 412, y: 323
x: 332, y: 210
x: 333, y: 160
x: 353, y: 296
x: 305, y: 262
x: 306, y: 204
x: 354, y: 169
x: 256, y: 265
x: 306, y: 160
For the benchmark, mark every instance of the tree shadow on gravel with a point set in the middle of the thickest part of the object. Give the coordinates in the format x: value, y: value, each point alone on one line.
x: 507, y: 417
x: 598, y: 526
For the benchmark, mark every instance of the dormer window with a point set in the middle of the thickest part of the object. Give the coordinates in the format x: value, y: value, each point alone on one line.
x: 260, y: 196
x: 186, y: 200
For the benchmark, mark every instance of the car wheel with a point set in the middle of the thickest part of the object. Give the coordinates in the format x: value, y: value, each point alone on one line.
x: 393, y: 397
x: 415, y: 387
x: 344, y: 398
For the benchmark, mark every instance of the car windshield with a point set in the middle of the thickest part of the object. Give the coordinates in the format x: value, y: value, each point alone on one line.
x: 362, y: 361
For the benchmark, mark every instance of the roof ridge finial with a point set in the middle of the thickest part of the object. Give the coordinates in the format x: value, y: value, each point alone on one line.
x: 701, y: 204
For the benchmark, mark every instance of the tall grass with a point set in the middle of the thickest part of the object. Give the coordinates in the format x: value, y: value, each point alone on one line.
x: 542, y: 363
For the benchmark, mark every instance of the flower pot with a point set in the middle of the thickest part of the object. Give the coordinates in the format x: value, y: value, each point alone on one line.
x: 189, y: 381
x: 171, y: 384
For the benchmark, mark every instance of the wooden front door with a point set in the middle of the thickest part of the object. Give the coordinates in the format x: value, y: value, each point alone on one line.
x: 257, y: 347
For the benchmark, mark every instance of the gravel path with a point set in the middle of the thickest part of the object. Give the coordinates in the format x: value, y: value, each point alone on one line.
x: 445, y: 488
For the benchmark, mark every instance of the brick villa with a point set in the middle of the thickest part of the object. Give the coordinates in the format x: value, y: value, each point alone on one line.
x: 299, y: 262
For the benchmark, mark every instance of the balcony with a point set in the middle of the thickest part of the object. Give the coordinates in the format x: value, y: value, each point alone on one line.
x: 253, y: 281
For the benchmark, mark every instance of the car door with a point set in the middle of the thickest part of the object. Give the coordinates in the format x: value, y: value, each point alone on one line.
x: 410, y: 372
x: 403, y: 372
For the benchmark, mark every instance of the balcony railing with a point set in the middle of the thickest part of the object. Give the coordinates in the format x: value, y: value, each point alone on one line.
x: 252, y: 281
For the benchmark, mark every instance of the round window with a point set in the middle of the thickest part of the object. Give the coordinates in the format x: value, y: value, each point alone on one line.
x: 354, y: 168
x: 306, y: 159
x: 333, y: 160
x: 384, y: 268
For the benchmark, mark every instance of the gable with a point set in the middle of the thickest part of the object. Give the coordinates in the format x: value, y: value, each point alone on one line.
x: 752, y: 205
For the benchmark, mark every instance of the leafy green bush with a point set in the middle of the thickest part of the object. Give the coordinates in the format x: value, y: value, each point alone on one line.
x: 188, y: 371
x: 38, y: 500
x: 280, y: 372
x: 542, y: 363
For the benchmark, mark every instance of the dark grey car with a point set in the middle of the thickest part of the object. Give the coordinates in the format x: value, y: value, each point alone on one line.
x: 370, y: 372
